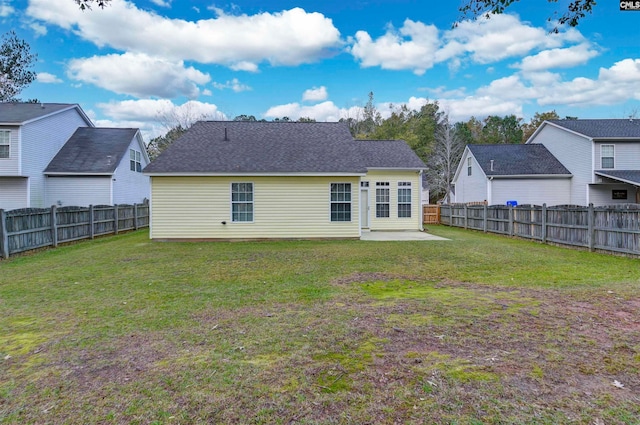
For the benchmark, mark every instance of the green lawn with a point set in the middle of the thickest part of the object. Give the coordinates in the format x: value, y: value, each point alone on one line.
x: 481, y: 329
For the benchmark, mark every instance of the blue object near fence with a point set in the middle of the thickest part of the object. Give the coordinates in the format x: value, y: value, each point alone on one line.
x: 512, y: 203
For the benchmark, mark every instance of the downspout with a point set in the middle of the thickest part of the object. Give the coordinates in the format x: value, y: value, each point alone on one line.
x: 421, y: 208
x: 490, y: 190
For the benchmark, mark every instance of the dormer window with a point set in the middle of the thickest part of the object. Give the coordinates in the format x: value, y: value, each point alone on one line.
x: 607, y: 156
x: 135, y: 160
x: 5, y: 143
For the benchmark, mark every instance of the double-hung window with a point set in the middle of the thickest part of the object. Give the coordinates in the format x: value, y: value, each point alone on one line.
x: 241, y: 202
x: 135, y: 161
x: 607, y: 155
x: 382, y: 199
x: 340, y: 201
x: 469, y: 166
x: 5, y: 143
x: 404, y: 199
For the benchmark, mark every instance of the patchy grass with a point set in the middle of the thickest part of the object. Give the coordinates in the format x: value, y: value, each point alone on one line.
x: 481, y: 329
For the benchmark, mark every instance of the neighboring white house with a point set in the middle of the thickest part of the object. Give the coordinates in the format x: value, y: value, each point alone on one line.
x: 32, y: 134
x: 564, y: 162
x: 237, y: 180
x: 98, y: 166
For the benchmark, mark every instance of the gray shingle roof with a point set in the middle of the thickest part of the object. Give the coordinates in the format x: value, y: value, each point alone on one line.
x: 630, y: 176
x: 388, y: 154
x: 92, y: 150
x: 276, y: 147
x: 603, y: 128
x: 18, y: 113
x: 517, y: 160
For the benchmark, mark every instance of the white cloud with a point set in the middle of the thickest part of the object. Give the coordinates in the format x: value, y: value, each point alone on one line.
x: 233, y: 84
x: 162, y: 3
x: 616, y: 84
x: 558, y: 58
x: 150, y: 114
x: 322, y: 112
x: 290, y: 37
x: 139, y: 75
x: 316, y: 94
x: 6, y: 9
x: 500, y: 37
x: 46, y: 78
x: 411, y: 47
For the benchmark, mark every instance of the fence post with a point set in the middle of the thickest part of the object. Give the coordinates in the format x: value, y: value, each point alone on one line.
x: 92, y: 232
x: 4, y: 235
x: 135, y: 216
x: 590, y: 224
x: 485, y: 212
x: 511, y: 220
x: 544, y: 223
x: 466, y: 216
x: 54, y: 226
x: 115, y: 219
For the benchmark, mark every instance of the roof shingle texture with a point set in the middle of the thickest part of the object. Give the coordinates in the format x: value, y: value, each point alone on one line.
x: 517, y: 160
x: 18, y: 113
x: 276, y: 147
x: 626, y: 175
x: 603, y: 128
x: 92, y: 150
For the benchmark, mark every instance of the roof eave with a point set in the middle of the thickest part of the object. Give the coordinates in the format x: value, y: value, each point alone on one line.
x: 529, y: 176
x: 254, y: 174
x: 74, y: 173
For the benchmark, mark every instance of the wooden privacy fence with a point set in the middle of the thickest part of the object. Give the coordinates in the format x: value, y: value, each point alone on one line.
x: 613, y: 228
x: 30, y: 228
x: 431, y: 214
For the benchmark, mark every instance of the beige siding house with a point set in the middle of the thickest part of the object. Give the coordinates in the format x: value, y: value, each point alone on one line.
x: 263, y: 180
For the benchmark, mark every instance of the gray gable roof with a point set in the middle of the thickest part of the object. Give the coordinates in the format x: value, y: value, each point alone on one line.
x: 627, y: 176
x: 17, y: 113
x: 603, y: 128
x: 389, y: 154
x: 276, y: 147
x: 92, y: 150
x: 517, y: 160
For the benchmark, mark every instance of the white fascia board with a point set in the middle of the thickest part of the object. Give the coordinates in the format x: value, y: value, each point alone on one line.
x: 532, y: 176
x: 255, y: 174
x: 418, y: 170
x: 466, y: 151
x: 76, y: 174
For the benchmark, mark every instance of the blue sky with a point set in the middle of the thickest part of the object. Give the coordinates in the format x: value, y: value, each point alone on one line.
x: 136, y: 62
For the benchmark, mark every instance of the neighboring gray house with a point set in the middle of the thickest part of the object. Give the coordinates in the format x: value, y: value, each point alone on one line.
x: 564, y: 162
x: 497, y: 174
x: 30, y: 135
x: 98, y: 166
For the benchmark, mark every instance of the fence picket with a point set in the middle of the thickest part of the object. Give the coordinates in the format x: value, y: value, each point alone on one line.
x: 31, y: 228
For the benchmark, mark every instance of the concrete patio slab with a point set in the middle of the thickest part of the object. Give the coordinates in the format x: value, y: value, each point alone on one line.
x: 407, y: 235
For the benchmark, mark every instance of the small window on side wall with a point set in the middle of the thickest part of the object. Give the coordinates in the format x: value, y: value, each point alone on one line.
x: 5, y: 144
x: 607, y: 156
x: 135, y: 160
x: 468, y: 166
x: 619, y: 194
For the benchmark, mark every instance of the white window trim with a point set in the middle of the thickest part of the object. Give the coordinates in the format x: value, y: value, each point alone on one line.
x: 613, y: 156
x: 8, y: 143
x: 339, y: 202
x: 405, y: 185
x: 231, y: 202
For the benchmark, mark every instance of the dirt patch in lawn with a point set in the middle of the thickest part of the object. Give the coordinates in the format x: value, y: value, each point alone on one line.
x: 385, y: 349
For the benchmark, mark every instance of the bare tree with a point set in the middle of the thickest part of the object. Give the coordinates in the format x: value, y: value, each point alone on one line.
x: 176, y: 121
x: 442, y: 164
